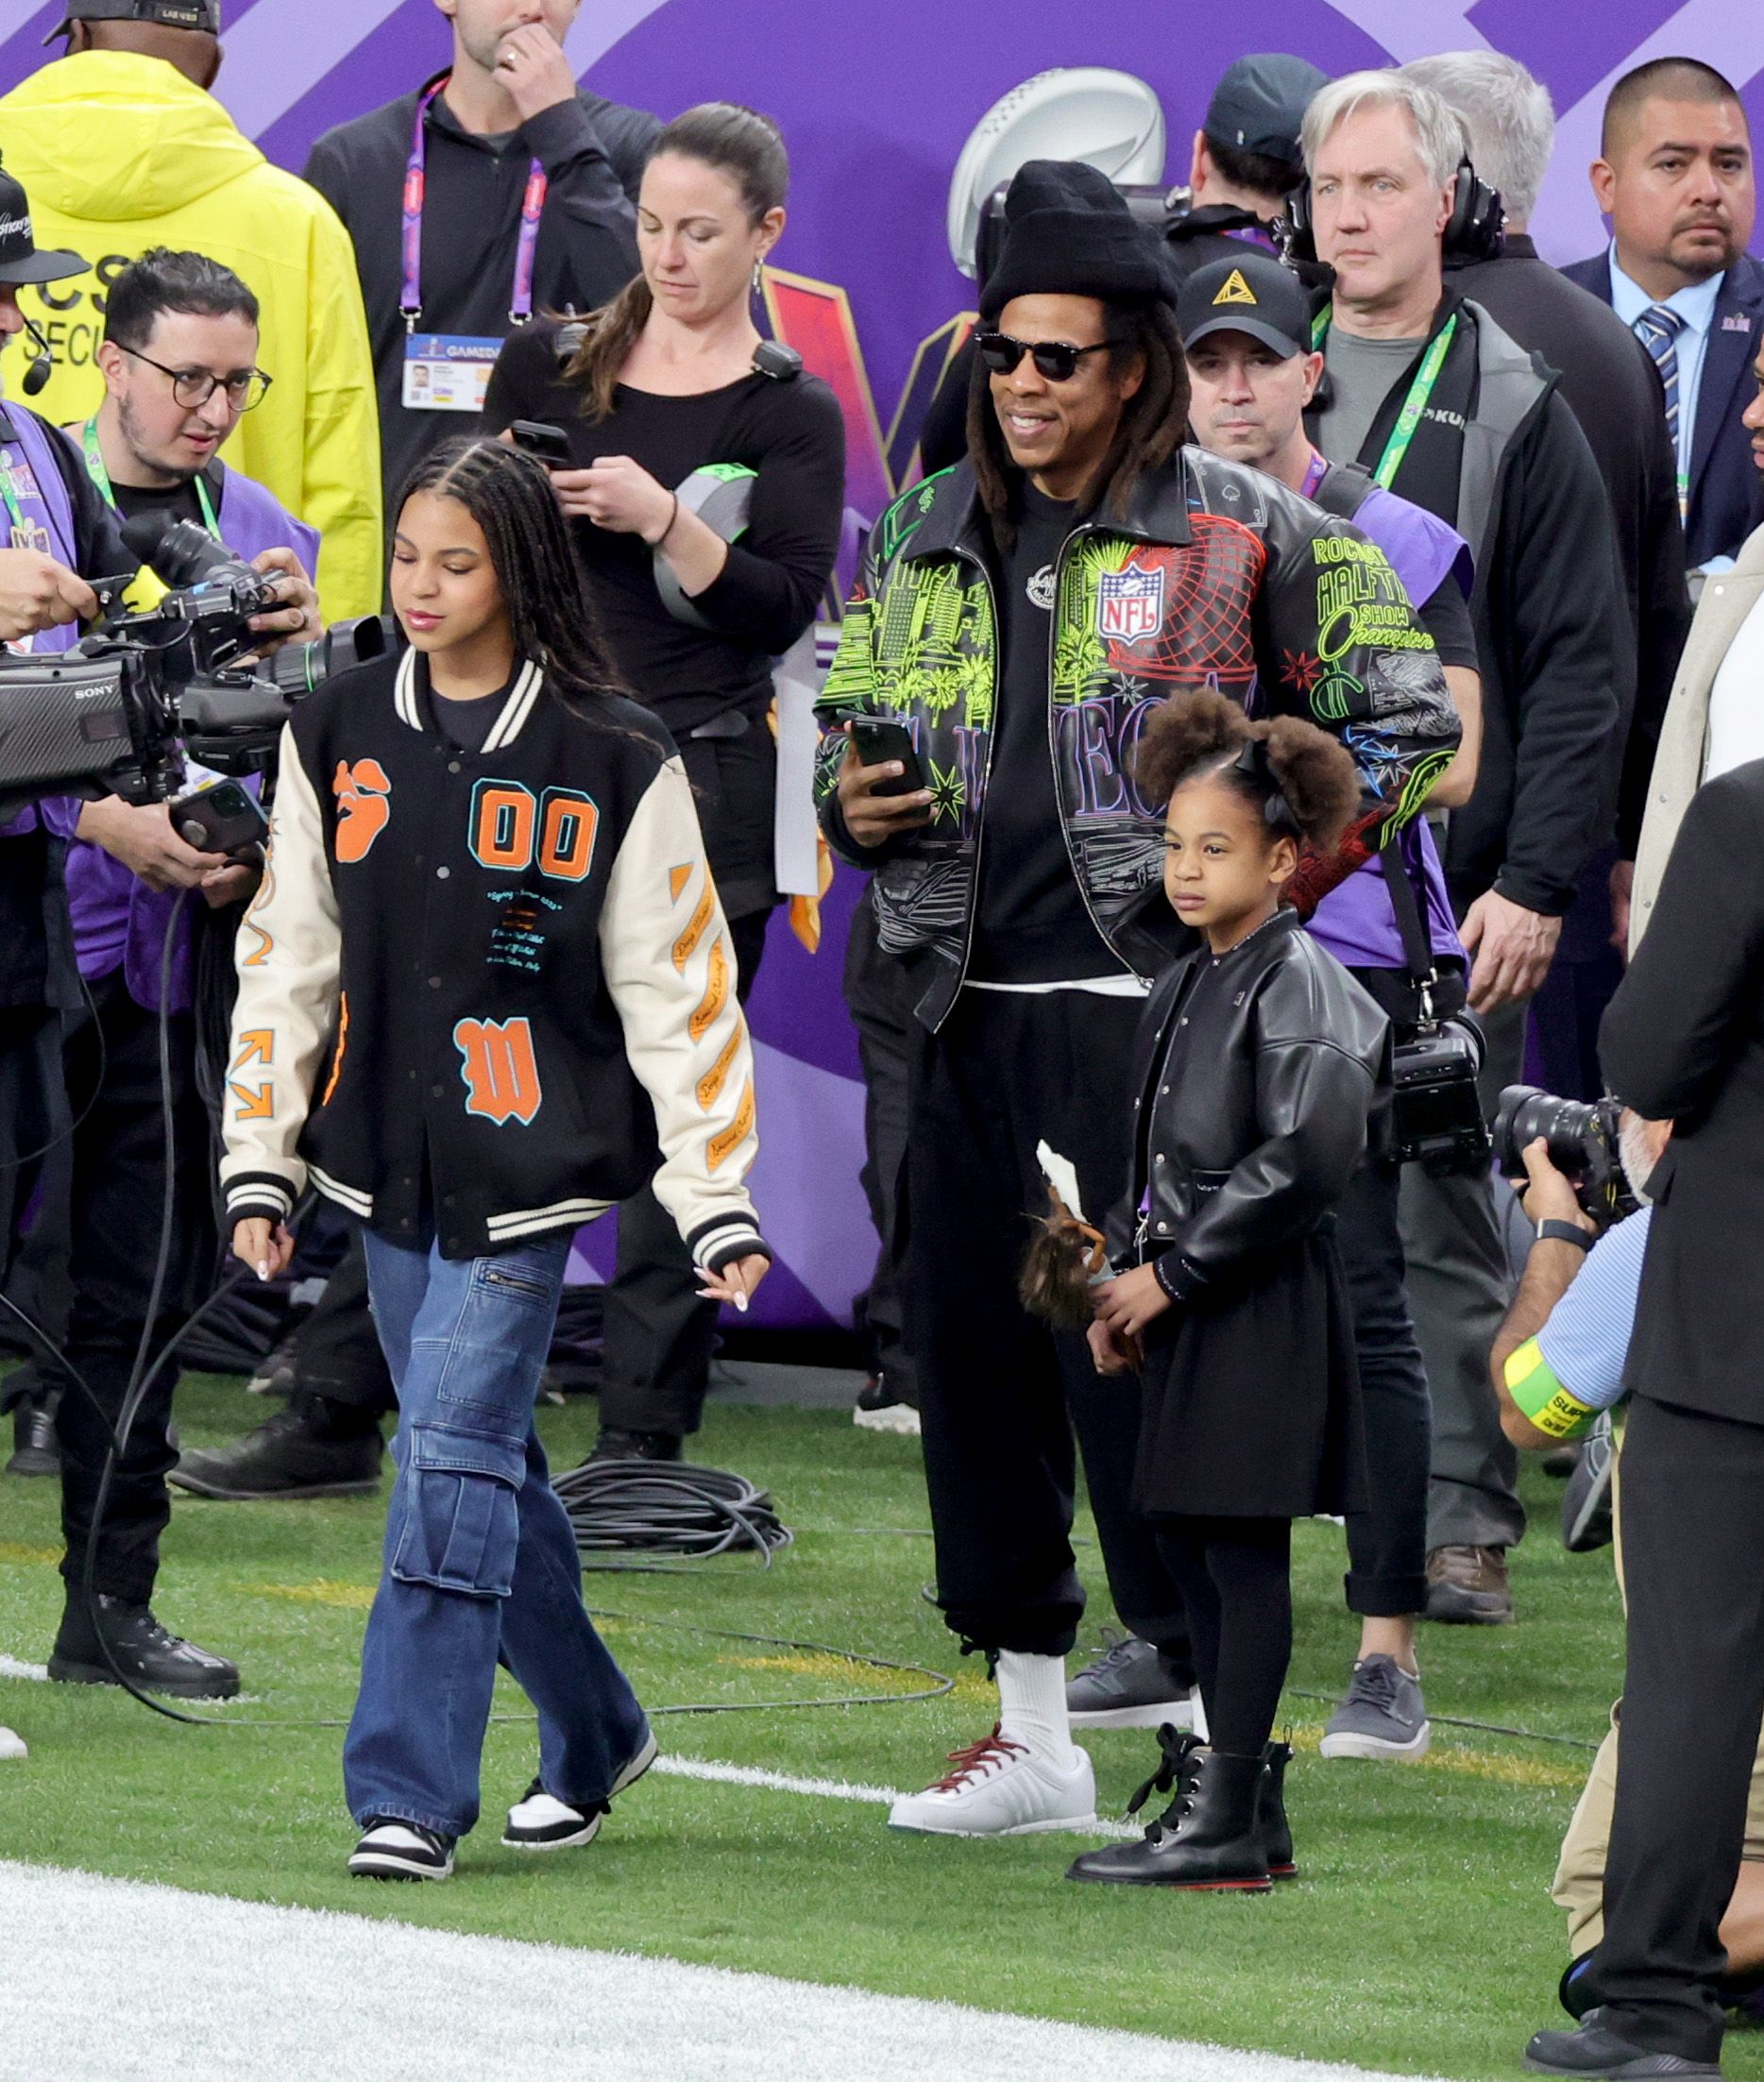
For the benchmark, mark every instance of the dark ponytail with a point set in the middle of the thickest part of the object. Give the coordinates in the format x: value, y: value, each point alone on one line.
x: 551, y: 613
x: 738, y: 142
x: 1303, y: 781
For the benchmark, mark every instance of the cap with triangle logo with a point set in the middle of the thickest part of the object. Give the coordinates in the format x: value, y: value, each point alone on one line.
x: 1255, y: 294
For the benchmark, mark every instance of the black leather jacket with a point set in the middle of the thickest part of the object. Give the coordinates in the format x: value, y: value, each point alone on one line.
x: 1259, y: 1077
x: 1218, y: 575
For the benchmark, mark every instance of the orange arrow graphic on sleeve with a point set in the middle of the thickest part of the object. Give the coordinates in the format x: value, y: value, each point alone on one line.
x: 257, y: 1046
x: 257, y: 1104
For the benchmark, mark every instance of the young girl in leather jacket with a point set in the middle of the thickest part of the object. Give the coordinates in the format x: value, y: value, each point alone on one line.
x: 1260, y: 1072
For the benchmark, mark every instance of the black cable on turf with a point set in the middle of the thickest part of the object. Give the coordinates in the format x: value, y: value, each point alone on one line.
x: 668, y: 1507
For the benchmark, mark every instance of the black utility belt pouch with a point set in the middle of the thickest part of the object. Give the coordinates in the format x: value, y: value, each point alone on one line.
x: 1438, y: 1111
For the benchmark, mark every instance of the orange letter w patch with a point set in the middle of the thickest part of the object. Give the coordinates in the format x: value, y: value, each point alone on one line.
x: 501, y: 1077
x: 362, y: 808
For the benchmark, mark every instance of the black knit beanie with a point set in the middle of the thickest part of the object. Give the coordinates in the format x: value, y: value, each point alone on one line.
x: 1069, y: 233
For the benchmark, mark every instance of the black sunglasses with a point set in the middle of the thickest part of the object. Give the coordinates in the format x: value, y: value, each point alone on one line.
x: 1057, y: 360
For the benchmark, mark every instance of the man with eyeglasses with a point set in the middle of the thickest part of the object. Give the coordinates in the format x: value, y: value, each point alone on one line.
x: 179, y: 365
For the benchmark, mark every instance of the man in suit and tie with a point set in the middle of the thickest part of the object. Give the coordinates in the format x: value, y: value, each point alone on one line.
x: 1675, y: 177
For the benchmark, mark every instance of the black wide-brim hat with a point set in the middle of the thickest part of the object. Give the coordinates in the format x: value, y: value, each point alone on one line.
x: 1069, y: 232
x: 20, y: 261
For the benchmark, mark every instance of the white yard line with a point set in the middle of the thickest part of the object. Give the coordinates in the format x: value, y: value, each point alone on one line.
x: 110, y: 1981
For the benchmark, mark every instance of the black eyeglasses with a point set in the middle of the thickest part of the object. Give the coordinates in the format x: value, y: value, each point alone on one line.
x: 1057, y: 360
x: 193, y: 388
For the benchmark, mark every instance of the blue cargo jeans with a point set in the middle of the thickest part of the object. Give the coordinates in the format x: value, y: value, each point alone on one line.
x: 481, y: 1566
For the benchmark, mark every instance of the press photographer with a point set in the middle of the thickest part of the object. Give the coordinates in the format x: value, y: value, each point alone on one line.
x: 180, y: 362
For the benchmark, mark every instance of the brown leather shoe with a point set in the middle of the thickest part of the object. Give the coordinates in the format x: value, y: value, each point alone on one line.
x: 1467, y: 1586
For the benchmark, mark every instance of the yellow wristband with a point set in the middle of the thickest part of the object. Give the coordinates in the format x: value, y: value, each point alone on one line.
x: 1540, y: 1397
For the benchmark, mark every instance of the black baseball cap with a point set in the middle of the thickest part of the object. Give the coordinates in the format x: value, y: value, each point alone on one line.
x: 1260, y: 103
x: 20, y: 261
x: 168, y: 14
x: 1255, y: 294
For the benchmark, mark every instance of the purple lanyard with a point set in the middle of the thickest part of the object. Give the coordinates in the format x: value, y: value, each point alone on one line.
x: 531, y: 206
x: 1315, y: 472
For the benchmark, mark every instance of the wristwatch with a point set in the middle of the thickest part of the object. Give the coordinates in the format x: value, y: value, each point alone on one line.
x: 1566, y: 1233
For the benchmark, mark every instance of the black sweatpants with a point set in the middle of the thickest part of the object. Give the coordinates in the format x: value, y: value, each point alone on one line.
x: 659, y: 1336
x: 118, y: 1194
x: 33, y: 1112
x: 1000, y: 1394
x: 880, y: 1004
x: 339, y: 1354
x: 1693, y: 1700
x: 1235, y: 1576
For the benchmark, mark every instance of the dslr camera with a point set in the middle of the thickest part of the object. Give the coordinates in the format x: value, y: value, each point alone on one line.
x: 116, y: 714
x: 1580, y: 1141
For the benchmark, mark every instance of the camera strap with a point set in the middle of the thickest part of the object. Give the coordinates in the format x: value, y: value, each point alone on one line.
x: 1416, y: 950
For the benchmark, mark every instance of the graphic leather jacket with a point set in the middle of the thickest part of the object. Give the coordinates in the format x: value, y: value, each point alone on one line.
x: 1217, y: 576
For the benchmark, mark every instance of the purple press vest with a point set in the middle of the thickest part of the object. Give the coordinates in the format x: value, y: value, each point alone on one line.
x: 118, y: 920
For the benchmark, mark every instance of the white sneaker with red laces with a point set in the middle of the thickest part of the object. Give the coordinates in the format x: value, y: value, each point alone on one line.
x: 997, y: 1788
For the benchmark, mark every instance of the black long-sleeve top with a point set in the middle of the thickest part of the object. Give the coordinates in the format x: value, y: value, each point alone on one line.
x: 592, y: 151
x: 791, y: 433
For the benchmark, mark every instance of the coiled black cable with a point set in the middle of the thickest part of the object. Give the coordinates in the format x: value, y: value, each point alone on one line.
x: 667, y: 1507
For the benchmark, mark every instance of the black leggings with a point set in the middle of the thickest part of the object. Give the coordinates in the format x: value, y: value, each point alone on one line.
x: 1235, y: 1576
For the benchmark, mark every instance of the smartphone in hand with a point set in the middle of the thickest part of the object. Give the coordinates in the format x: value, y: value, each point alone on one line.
x: 220, y: 817
x: 877, y: 741
x: 544, y: 439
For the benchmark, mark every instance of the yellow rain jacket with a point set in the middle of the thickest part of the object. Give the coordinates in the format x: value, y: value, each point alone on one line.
x: 119, y: 153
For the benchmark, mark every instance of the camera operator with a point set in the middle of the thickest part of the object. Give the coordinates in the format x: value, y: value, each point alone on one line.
x: 1684, y: 1041
x: 670, y: 385
x: 179, y: 365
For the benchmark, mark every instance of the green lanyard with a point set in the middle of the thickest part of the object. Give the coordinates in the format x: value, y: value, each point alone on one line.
x: 101, y: 478
x: 13, y: 513
x: 1413, y: 405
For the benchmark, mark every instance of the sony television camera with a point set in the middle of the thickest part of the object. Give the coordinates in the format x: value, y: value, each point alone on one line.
x: 117, y: 714
x: 1582, y: 1144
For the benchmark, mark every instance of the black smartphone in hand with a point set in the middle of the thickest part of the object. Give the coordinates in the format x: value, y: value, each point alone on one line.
x: 877, y: 741
x: 220, y: 817
x: 544, y: 439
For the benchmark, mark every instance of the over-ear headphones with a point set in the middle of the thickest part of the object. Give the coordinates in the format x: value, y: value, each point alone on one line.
x: 1473, y: 230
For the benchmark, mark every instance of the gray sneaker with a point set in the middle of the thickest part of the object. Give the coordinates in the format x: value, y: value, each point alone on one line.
x: 1132, y: 1684
x: 1586, y: 1500
x: 1384, y: 1716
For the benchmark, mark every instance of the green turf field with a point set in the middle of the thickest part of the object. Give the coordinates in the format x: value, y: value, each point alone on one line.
x: 1420, y: 1938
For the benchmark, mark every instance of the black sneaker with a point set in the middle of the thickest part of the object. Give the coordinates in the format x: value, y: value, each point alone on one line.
x: 880, y: 1408
x: 392, y: 1850
x: 1132, y: 1684
x: 35, y: 1450
x: 288, y: 1455
x: 278, y: 1372
x: 538, y: 1822
x: 616, y: 1445
x: 1594, y: 2051
x: 153, y: 1657
x: 1586, y: 1500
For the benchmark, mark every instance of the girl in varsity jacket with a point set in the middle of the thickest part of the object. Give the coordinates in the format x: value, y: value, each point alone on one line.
x: 485, y: 984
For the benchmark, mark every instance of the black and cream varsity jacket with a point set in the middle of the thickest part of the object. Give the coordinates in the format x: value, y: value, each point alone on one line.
x: 487, y: 989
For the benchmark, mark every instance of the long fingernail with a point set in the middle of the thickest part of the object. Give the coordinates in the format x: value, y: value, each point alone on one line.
x: 740, y: 1302
x: 262, y: 1269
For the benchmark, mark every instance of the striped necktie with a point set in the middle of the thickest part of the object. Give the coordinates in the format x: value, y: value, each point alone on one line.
x: 1657, y: 328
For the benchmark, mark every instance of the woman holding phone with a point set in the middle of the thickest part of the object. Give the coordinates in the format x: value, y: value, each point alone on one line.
x: 672, y: 402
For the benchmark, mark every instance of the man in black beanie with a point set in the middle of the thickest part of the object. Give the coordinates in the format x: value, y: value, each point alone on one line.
x: 1022, y: 614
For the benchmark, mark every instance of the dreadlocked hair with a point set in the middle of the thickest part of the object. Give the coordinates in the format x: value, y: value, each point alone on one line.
x: 738, y: 142
x: 1154, y: 421
x: 1305, y: 782
x: 551, y: 613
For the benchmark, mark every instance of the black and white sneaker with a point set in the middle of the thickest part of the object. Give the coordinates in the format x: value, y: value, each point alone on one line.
x: 400, y: 1851
x: 539, y: 1821
x: 881, y: 1408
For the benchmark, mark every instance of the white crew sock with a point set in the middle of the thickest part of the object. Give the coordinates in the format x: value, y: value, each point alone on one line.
x: 1032, y: 1703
